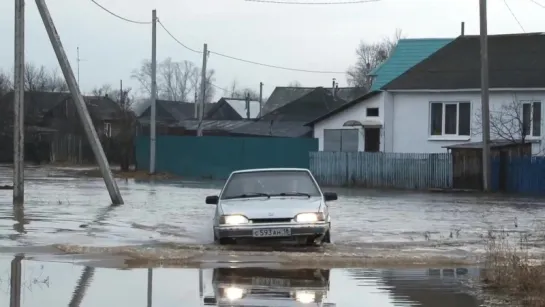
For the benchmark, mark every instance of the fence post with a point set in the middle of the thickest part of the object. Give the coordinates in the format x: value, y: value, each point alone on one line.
x: 347, y: 176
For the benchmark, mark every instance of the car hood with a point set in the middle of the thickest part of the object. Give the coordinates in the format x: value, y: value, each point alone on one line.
x: 274, y: 207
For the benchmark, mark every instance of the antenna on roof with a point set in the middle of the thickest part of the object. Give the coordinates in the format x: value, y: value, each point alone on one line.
x: 463, y: 28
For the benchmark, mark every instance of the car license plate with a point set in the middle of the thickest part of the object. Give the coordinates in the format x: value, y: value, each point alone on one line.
x: 270, y: 282
x: 272, y: 232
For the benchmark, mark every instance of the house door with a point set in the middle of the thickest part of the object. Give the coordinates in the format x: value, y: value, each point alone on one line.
x: 372, y: 139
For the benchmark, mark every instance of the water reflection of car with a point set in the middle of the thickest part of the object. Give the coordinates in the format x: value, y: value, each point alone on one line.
x: 269, y: 287
x: 284, y: 204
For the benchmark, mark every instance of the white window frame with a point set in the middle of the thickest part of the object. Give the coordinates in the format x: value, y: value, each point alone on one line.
x: 108, y: 130
x: 531, y: 103
x: 443, y: 135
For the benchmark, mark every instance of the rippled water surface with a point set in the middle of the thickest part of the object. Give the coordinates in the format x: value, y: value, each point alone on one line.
x: 61, y: 209
x: 36, y: 284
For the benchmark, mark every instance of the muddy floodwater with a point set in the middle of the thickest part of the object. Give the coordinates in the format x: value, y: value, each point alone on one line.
x: 169, y: 219
x: 37, y: 283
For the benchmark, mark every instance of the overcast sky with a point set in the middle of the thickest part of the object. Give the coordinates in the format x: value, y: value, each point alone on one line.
x: 313, y: 37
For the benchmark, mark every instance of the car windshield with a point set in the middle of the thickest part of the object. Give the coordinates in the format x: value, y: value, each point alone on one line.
x: 270, y: 183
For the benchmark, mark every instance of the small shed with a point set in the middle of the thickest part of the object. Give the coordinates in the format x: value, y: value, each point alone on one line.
x: 467, y: 161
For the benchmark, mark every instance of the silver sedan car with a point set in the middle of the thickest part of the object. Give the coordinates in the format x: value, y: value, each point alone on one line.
x: 284, y: 204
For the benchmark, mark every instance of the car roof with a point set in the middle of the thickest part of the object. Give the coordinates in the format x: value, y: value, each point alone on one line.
x: 255, y: 170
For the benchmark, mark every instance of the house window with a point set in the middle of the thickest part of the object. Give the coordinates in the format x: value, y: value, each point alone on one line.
x: 531, y: 118
x: 108, y: 130
x: 372, y: 112
x: 450, y: 118
x: 341, y: 139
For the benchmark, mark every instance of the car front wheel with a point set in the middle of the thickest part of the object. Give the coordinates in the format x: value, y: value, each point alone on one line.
x: 327, y: 237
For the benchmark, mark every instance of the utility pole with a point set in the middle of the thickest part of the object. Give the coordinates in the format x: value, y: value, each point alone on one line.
x: 203, y: 89
x: 260, y: 98
x: 78, y: 60
x: 196, y: 105
x: 485, y: 95
x: 247, y: 105
x: 153, y: 91
x: 19, y: 106
x: 81, y: 107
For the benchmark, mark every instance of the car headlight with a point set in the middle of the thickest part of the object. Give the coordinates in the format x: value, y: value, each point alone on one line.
x: 309, y: 217
x: 305, y: 297
x: 233, y: 219
x: 233, y: 293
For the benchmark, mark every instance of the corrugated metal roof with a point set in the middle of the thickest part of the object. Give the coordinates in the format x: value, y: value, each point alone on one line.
x: 493, y: 144
x: 239, y: 105
x: 284, y: 95
x: 248, y: 127
x: 407, y: 53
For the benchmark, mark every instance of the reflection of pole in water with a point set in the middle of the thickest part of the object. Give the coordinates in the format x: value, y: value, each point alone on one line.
x: 83, y: 283
x: 15, y: 282
x: 201, y: 286
x: 19, y: 217
x: 150, y: 287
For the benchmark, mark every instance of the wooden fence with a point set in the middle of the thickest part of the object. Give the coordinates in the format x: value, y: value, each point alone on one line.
x: 523, y: 175
x: 382, y: 170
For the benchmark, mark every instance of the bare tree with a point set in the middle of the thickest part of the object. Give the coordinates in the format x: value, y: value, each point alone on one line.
x: 370, y: 56
x: 35, y: 77
x: 210, y: 90
x: 235, y: 92
x: 103, y: 90
x: 513, y: 122
x: 5, y: 83
x: 176, y: 81
x: 143, y: 76
x: 56, y: 82
x: 295, y: 84
x: 40, y: 79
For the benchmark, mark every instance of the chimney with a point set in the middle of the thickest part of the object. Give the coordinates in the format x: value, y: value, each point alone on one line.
x: 333, y: 88
x: 463, y: 28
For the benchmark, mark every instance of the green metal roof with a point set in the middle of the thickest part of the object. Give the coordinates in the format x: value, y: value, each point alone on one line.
x: 407, y: 53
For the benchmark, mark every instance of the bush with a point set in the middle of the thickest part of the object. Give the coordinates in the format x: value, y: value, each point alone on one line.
x: 511, y: 269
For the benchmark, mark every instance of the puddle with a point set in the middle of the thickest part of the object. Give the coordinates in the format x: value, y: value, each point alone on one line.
x: 39, y: 283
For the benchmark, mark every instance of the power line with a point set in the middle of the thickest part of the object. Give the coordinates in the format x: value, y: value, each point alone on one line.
x: 174, y: 38
x: 274, y: 66
x: 221, y: 54
x: 247, y: 61
x: 513, y: 14
x: 121, y: 17
x: 313, y: 3
x: 537, y: 3
x: 221, y: 88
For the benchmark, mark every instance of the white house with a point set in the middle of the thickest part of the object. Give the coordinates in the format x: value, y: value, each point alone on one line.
x: 437, y: 102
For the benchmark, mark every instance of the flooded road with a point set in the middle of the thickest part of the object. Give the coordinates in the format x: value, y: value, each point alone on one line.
x: 38, y: 283
x: 74, y: 214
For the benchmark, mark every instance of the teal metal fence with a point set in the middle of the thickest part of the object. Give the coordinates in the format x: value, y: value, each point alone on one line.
x: 382, y: 170
x: 215, y: 157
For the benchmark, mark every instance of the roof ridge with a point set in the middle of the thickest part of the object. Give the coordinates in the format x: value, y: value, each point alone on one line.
x: 504, y: 34
x: 426, y: 38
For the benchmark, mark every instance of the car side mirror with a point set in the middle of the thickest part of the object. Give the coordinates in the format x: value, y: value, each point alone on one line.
x: 212, y: 200
x: 329, y: 196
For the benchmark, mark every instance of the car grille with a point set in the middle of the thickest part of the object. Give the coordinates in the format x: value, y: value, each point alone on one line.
x: 259, y: 221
